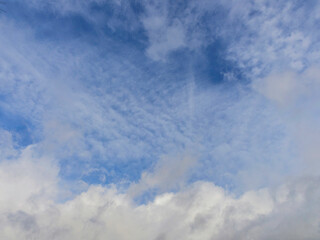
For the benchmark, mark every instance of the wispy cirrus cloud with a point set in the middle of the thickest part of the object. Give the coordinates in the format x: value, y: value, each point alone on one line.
x: 102, y: 110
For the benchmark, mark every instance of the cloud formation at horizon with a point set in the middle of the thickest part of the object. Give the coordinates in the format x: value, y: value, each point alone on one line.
x: 159, y: 120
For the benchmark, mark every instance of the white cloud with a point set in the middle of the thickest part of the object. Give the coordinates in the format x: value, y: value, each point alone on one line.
x: 169, y: 173
x: 164, y: 34
x: 199, y: 211
x: 273, y: 37
x: 31, y: 206
x: 278, y: 51
x: 296, y: 94
x: 289, y: 87
x: 27, y: 181
x: 7, y: 149
x: 282, y: 88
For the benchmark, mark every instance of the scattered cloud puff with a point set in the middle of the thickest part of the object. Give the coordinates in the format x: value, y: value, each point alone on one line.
x: 289, y: 87
x: 296, y: 94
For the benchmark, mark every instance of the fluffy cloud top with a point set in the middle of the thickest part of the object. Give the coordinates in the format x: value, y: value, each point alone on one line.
x: 198, y: 211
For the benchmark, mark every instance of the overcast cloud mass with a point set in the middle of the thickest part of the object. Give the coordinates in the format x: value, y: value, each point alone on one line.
x: 159, y: 120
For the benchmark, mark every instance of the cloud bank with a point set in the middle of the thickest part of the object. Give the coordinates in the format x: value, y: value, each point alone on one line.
x: 200, y: 210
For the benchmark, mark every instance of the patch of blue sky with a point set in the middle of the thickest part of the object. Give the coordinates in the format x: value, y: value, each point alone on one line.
x: 20, y: 128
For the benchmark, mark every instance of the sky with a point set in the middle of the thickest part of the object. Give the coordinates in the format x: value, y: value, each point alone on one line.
x: 159, y: 120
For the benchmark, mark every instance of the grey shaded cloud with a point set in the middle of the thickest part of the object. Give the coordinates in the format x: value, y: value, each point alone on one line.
x: 199, y: 211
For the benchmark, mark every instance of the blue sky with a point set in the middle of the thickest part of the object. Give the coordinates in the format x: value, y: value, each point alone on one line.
x: 148, y: 103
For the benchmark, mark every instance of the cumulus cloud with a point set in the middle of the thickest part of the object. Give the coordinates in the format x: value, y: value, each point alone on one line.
x: 198, y: 211
x: 27, y: 181
x: 32, y: 206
